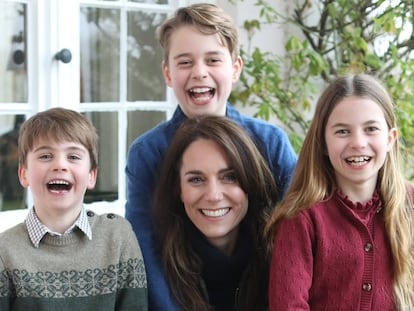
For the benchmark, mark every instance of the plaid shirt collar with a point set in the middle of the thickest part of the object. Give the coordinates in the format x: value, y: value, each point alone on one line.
x: 37, y: 230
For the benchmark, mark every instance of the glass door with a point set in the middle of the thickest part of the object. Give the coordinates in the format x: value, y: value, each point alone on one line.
x: 122, y: 88
x: 99, y: 57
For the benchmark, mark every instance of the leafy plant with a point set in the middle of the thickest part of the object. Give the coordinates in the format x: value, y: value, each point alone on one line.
x: 335, y: 37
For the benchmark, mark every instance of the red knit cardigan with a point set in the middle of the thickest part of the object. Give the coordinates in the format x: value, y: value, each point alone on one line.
x: 334, y: 256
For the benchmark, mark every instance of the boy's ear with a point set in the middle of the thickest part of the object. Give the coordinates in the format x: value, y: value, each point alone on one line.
x: 237, y: 69
x: 21, y: 172
x: 92, y: 178
x: 166, y: 74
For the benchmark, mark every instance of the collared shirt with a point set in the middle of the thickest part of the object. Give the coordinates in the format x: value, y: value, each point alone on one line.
x: 37, y: 230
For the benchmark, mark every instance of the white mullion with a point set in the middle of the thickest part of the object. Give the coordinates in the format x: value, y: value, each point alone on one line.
x: 39, y: 69
x: 122, y: 111
x: 67, y: 22
x: 143, y: 6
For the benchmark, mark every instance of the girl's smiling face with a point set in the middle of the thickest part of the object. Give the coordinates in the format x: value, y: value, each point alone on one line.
x: 358, y: 140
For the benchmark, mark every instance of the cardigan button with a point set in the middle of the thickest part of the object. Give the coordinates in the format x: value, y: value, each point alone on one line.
x: 90, y: 213
x: 367, y: 287
x: 368, y: 247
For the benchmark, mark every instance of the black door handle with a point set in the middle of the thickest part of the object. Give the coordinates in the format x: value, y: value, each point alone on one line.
x: 64, y: 55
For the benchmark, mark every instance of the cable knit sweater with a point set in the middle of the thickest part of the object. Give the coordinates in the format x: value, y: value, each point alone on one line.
x: 333, y: 256
x: 71, y: 272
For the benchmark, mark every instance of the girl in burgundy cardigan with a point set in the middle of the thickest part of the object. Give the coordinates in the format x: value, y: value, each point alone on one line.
x: 342, y: 237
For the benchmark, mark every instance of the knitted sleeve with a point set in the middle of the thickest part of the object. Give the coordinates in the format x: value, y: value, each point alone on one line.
x: 291, y: 266
x: 5, y: 286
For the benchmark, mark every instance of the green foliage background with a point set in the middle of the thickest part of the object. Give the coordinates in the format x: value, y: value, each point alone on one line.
x: 335, y: 37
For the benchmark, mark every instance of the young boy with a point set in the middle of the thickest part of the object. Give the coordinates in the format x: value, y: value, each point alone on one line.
x: 201, y: 64
x: 64, y: 257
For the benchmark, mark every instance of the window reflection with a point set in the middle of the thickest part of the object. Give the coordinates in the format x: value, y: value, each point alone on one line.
x: 106, y: 123
x: 106, y: 188
x: 141, y: 121
x: 101, y: 59
x: 12, y: 194
x: 144, y: 75
x: 151, y: 1
x: 13, y: 80
x: 100, y: 50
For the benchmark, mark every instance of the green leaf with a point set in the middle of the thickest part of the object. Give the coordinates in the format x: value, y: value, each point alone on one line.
x: 373, y: 61
x: 293, y: 44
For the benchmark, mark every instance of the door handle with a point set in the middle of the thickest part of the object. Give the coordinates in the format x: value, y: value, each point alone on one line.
x: 64, y: 55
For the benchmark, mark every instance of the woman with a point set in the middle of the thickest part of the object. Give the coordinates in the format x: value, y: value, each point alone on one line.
x: 212, y: 200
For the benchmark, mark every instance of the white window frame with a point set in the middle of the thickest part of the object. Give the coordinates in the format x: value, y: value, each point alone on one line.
x: 52, y: 83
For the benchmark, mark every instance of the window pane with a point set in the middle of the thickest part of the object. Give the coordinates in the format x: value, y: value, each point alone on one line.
x: 106, y: 188
x: 145, y: 80
x: 99, y: 55
x: 150, y: 1
x: 12, y: 194
x: 141, y: 121
x: 13, y: 81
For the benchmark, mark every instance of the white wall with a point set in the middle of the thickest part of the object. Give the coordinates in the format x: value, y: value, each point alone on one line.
x: 270, y: 38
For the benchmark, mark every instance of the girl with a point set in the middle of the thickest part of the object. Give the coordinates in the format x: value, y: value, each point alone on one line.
x: 343, y: 235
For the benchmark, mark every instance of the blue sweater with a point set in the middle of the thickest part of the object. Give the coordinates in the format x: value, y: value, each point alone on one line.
x: 144, y: 160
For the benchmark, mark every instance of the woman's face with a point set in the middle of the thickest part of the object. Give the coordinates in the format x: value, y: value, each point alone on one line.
x: 212, y: 196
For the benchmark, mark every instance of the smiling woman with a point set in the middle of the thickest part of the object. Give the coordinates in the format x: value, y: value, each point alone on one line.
x: 213, y: 197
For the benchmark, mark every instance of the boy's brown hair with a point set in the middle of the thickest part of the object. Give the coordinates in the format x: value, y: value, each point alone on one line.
x: 58, y: 124
x: 207, y: 18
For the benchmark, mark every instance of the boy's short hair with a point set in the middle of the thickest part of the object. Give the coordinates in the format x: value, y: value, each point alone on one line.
x: 207, y: 18
x: 58, y: 124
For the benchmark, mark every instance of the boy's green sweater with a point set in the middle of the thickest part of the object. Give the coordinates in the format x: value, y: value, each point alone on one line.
x: 71, y: 272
